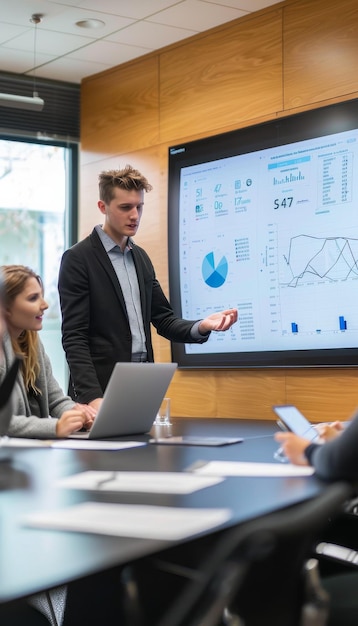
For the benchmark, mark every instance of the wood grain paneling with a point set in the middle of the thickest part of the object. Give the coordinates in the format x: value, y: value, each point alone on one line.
x: 227, y: 393
x: 249, y: 393
x: 320, y: 50
x: 194, y: 393
x: 119, y: 109
x: 232, y: 75
x: 323, y: 394
x: 213, y: 83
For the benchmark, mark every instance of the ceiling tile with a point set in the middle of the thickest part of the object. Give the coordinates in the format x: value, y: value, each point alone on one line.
x: 136, y: 9
x: 149, y: 35
x: 9, y: 31
x: 108, y: 53
x: 57, y: 43
x: 70, y: 70
x: 246, y: 5
x: 197, y: 15
x: 19, y: 62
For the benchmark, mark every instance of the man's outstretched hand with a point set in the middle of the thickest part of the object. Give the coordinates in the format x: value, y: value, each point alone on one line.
x: 218, y: 321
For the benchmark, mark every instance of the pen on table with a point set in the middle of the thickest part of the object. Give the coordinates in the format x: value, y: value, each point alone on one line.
x: 279, y: 455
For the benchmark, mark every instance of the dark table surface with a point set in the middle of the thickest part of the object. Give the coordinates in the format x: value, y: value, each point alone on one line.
x: 33, y: 559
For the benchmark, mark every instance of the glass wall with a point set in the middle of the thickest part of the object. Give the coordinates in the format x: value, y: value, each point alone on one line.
x: 38, y: 190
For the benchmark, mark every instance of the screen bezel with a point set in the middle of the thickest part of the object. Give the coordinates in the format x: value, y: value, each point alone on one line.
x: 281, y: 131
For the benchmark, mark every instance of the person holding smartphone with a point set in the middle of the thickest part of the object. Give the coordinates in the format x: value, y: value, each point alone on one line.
x: 335, y: 458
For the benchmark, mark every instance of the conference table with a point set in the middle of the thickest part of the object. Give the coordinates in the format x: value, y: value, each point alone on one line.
x: 34, y: 559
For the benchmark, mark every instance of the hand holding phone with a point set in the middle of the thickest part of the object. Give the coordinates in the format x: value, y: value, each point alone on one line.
x: 290, y: 418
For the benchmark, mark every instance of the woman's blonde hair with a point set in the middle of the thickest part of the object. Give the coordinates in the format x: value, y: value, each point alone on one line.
x: 26, y: 345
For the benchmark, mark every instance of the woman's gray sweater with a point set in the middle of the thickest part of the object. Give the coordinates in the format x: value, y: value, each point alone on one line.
x: 27, y: 408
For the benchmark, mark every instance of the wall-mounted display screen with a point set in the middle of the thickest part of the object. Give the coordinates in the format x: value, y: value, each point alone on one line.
x: 265, y: 219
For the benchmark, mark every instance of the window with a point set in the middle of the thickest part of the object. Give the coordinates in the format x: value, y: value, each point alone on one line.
x: 38, y: 208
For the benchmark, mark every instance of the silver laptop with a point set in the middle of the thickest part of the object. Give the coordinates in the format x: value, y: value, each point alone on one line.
x: 131, y: 401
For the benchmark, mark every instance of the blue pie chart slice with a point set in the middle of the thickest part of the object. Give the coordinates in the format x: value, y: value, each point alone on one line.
x: 214, y: 275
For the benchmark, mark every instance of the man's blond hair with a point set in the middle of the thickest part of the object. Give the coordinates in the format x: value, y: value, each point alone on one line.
x: 128, y: 178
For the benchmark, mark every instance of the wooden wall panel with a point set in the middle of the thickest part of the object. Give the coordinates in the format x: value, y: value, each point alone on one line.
x: 323, y: 394
x: 249, y: 393
x: 227, y: 393
x: 119, y: 109
x: 194, y: 393
x: 232, y: 75
x: 228, y: 77
x: 320, y: 50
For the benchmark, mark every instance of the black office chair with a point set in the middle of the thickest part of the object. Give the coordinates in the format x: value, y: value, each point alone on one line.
x: 255, y: 574
x: 337, y: 553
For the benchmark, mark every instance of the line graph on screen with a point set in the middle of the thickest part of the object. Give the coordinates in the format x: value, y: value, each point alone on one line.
x: 310, y: 257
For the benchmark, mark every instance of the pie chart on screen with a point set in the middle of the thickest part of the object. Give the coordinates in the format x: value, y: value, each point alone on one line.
x: 214, y: 270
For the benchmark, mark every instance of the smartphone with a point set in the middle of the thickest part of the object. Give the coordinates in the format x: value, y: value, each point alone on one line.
x: 290, y: 418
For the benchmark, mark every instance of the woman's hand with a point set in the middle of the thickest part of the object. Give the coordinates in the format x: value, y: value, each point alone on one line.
x: 293, y: 447
x: 89, y: 412
x: 70, y: 421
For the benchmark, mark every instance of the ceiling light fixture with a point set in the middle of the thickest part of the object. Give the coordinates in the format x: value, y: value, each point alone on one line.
x: 90, y: 23
x: 34, y: 103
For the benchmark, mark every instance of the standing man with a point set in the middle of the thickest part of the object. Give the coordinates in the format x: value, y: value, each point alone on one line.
x: 110, y: 296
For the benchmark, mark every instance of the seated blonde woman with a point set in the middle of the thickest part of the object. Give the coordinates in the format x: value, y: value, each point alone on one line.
x: 39, y: 406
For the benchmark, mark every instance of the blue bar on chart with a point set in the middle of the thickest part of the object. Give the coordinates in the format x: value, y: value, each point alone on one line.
x: 342, y: 323
x: 294, y: 327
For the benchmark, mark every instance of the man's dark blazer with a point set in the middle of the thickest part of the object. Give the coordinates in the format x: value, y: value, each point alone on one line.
x: 95, y: 328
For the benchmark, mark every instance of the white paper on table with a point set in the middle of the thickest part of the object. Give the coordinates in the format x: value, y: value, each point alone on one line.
x: 24, y: 442
x: 70, y: 444
x: 92, y: 444
x: 145, y: 482
x: 238, y: 468
x: 122, y: 520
